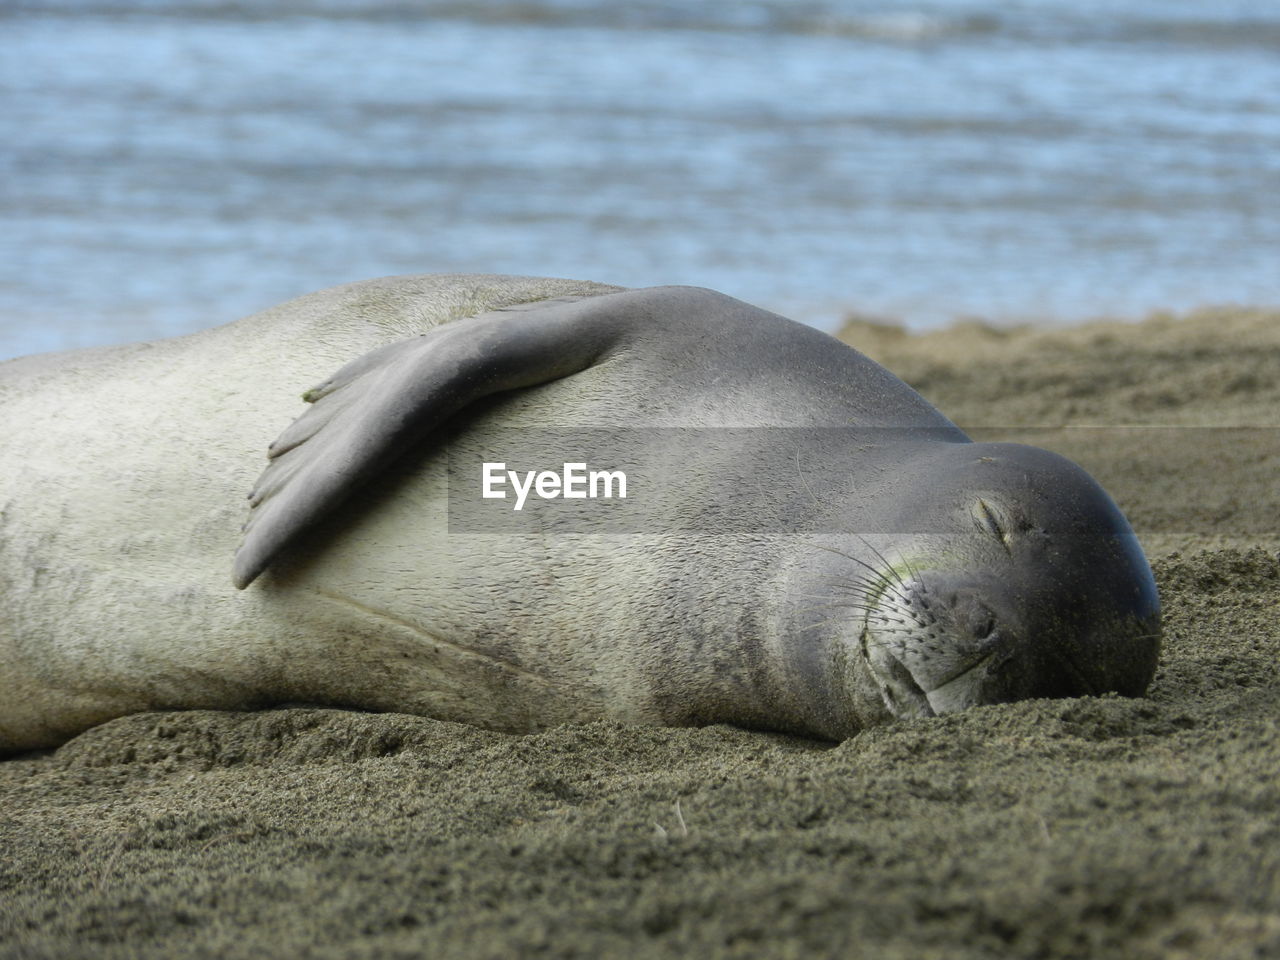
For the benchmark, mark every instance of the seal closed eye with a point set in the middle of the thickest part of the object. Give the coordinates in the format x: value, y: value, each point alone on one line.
x: 930, y: 574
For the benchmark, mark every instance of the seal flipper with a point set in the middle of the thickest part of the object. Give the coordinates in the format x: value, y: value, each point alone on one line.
x: 381, y: 404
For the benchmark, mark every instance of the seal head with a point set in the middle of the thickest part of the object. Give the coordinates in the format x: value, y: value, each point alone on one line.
x: 1015, y: 576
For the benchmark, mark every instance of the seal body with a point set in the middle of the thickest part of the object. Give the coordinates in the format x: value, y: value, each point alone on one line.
x: 937, y: 574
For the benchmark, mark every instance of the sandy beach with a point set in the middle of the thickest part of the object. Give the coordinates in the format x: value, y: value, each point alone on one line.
x: 1087, y: 828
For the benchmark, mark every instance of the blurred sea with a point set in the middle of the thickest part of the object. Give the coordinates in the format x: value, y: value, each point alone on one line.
x: 167, y: 165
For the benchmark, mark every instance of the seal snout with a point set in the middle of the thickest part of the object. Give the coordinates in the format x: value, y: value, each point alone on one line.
x: 934, y: 651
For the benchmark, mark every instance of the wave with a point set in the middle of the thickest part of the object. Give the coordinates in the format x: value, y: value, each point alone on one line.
x: 921, y: 25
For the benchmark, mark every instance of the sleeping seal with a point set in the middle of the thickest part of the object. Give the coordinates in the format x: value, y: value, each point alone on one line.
x: 924, y: 574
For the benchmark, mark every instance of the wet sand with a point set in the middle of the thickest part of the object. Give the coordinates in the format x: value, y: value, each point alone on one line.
x: 1087, y: 828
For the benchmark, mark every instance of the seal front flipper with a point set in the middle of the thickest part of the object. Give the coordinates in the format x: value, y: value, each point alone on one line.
x: 381, y: 404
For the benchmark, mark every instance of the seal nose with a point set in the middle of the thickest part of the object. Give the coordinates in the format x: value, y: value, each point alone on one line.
x: 972, y: 616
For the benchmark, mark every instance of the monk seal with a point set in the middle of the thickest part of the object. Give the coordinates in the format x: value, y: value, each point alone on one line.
x: 932, y: 574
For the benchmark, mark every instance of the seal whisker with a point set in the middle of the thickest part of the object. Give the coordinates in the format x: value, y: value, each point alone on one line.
x: 839, y: 599
x: 865, y: 594
x: 911, y: 569
x: 890, y: 620
x: 839, y: 606
x: 865, y: 585
x: 886, y: 626
x: 888, y: 572
x: 864, y: 580
x: 879, y: 574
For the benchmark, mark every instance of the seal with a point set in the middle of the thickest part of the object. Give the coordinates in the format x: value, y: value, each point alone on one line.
x: 837, y: 553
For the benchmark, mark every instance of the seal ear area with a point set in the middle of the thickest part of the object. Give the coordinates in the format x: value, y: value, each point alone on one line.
x: 385, y: 402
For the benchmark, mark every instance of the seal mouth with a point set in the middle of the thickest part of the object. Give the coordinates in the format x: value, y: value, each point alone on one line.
x: 962, y: 688
x: 905, y: 696
x: 902, y: 695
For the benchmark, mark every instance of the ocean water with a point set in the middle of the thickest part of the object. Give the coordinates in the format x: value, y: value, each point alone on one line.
x: 167, y: 165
